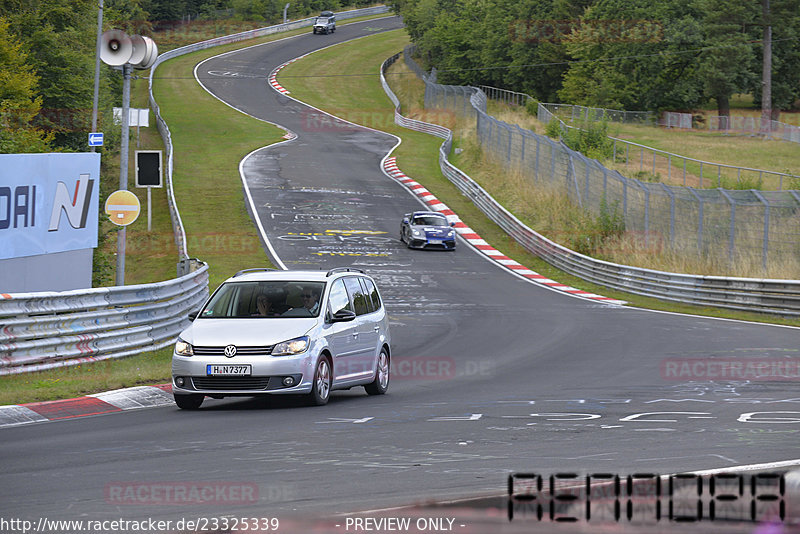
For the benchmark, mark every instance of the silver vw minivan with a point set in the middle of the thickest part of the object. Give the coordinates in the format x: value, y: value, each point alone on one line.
x: 265, y: 331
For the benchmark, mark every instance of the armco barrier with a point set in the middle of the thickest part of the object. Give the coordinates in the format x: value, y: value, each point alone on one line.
x: 177, y: 224
x: 780, y: 297
x: 56, y: 329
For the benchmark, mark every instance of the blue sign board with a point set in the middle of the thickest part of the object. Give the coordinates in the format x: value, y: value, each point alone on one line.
x: 96, y: 139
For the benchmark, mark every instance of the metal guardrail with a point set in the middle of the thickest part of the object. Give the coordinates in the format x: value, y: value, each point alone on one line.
x: 780, y: 297
x: 56, y: 329
x: 177, y: 224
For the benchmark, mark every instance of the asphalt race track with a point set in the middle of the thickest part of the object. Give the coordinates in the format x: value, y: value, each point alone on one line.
x: 491, y: 373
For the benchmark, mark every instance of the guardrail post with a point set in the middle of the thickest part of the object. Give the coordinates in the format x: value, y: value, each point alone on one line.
x: 188, y: 265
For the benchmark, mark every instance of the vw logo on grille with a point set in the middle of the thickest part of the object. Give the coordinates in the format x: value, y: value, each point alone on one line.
x: 230, y: 351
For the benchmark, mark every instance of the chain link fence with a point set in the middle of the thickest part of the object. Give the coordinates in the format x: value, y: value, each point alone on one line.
x: 572, y: 113
x: 749, y: 225
x: 752, y: 126
x: 653, y: 161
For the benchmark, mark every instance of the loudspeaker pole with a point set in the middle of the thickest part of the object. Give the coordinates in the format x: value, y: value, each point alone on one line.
x: 99, y: 48
x: 123, y: 165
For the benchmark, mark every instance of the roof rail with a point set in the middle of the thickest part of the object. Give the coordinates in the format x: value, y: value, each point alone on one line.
x: 259, y: 269
x: 344, y: 270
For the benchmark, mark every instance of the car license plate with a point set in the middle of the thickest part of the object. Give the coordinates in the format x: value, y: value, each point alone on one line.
x: 435, y: 241
x: 227, y: 370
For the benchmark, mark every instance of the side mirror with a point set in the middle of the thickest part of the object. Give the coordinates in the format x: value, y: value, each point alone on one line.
x: 343, y: 316
x: 193, y: 315
x: 452, y: 224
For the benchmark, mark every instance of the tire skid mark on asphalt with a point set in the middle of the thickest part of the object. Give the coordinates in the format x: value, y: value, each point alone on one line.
x: 472, y: 237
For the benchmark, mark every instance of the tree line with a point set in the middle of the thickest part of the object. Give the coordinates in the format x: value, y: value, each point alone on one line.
x: 47, y: 60
x: 624, y: 54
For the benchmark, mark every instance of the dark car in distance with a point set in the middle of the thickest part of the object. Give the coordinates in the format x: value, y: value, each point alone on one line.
x: 427, y: 229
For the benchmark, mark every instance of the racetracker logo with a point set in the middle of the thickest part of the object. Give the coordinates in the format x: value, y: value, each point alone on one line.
x: 180, y: 493
x: 779, y: 369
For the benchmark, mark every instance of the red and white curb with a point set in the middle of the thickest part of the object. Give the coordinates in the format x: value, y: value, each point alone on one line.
x: 390, y: 166
x: 273, y: 76
x: 100, y: 403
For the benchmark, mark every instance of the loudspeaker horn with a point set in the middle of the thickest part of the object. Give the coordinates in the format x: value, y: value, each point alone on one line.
x: 116, y: 47
x: 139, y: 49
x: 150, y: 54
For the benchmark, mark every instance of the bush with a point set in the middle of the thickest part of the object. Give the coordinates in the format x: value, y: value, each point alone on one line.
x: 553, y: 128
x: 592, y: 238
x: 591, y: 140
x: 532, y: 107
x: 646, y: 176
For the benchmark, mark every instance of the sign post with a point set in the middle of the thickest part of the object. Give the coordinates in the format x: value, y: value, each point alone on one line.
x: 119, y: 50
x: 148, y: 174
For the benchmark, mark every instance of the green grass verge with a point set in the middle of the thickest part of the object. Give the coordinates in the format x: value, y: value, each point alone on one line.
x: 74, y: 381
x: 209, y: 139
x: 361, y: 96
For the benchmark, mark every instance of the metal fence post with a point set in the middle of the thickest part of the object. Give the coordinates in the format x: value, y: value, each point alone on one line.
x: 765, y: 251
x: 669, y: 168
x: 699, y: 220
x: 701, y: 175
x: 671, y: 213
x: 732, y: 230
x: 684, y: 172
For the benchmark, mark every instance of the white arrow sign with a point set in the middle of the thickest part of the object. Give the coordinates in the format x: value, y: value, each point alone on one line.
x: 96, y: 139
x: 471, y: 417
x: 343, y: 420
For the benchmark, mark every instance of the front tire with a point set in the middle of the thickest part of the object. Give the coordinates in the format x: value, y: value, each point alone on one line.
x: 381, y: 382
x: 321, y: 388
x: 189, y: 402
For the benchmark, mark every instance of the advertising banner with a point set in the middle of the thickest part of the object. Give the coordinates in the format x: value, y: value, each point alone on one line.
x: 48, y: 203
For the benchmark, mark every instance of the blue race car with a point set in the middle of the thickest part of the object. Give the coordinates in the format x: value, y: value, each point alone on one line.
x: 427, y: 229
